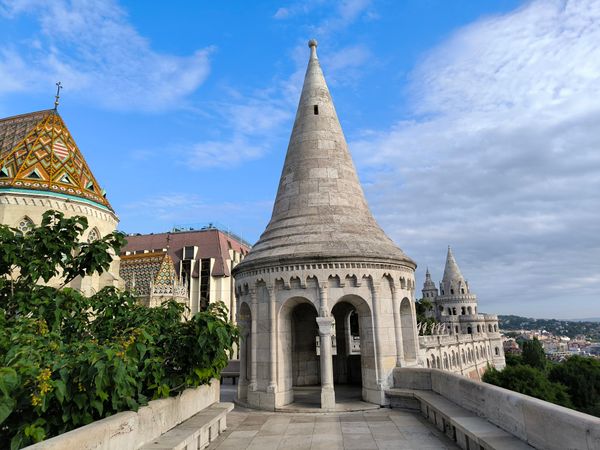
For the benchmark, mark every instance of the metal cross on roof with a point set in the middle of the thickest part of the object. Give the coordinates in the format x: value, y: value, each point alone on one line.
x: 58, y: 88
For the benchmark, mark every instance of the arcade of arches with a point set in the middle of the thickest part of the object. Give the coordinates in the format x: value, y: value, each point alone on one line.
x: 299, y: 334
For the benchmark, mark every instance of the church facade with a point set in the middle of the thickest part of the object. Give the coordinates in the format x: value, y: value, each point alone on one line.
x: 325, y: 298
x: 42, y: 168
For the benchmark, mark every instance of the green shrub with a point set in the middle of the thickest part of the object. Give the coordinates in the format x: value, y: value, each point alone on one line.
x: 529, y: 381
x: 66, y: 359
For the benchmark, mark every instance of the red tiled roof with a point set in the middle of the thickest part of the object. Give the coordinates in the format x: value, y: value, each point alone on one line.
x: 211, y: 243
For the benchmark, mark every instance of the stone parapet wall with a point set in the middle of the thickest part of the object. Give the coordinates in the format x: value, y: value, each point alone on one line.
x: 131, y: 430
x: 465, y: 354
x: 541, y: 424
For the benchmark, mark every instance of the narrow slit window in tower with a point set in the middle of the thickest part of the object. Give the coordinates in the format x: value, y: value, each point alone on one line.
x: 316, y: 110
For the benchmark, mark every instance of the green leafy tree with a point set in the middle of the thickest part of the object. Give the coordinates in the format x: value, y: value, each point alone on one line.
x: 529, y: 381
x: 581, y: 376
x: 533, y: 354
x: 66, y: 359
x: 512, y: 359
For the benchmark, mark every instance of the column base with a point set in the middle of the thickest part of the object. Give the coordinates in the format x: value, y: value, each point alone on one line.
x: 327, y: 399
x: 271, y: 388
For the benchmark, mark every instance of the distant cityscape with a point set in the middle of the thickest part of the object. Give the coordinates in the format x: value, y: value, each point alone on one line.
x: 560, y: 338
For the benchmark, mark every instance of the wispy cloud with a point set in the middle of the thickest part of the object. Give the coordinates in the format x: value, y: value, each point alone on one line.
x: 501, y: 159
x: 338, y: 14
x: 97, y: 54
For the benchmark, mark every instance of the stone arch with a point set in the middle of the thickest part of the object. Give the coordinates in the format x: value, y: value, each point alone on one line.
x: 297, y: 330
x: 334, y: 281
x: 295, y: 283
x: 367, y: 343
x: 407, y: 324
x: 351, y: 280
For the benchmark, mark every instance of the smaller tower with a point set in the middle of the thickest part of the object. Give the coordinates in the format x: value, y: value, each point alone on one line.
x: 429, y: 290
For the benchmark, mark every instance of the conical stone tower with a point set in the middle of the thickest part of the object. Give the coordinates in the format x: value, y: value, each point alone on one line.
x: 324, y: 296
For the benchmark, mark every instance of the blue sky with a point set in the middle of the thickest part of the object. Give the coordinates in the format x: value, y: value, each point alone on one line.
x: 471, y: 123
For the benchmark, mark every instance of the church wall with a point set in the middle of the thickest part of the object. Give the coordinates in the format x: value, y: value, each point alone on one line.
x: 14, y: 207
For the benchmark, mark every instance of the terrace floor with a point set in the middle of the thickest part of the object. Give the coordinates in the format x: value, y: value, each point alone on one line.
x: 380, y: 428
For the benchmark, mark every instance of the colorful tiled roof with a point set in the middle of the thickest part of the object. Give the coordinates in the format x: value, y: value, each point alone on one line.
x: 38, y: 153
x: 149, y: 273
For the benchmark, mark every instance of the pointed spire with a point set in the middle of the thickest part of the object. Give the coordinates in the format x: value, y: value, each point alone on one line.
x: 451, y: 271
x: 320, y: 209
x: 428, y: 285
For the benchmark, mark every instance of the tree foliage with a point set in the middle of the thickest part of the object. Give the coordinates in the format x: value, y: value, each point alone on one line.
x: 533, y: 354
x: 529, y: 381
x: 582, y: 377
x: 66, y: 359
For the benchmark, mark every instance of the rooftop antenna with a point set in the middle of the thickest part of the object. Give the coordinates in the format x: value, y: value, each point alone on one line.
x: 58, y: 88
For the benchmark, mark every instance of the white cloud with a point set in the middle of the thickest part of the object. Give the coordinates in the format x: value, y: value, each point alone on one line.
x: 92, y: 48
x: 502, y: 160
x: 223, y: 153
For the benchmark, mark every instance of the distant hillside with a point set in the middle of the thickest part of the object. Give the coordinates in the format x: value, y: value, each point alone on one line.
x: 588, y: 319
x: 569, y: 328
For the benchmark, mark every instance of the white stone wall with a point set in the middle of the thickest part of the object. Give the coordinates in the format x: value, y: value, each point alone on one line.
x: 15, y: 206
x: 465, y: 354
x: 131, y: 430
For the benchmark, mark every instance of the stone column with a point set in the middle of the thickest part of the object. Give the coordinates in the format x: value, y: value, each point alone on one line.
x: 243, y: 381
x: 254, y: 300
x: 323, y: 296
x: 377, y: 333
x: 397, y: 327
x: 272, y: 340
x: 326, y: 325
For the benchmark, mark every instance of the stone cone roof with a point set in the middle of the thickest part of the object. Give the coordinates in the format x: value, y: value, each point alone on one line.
x: 452, y: 273
x: 320, y: 211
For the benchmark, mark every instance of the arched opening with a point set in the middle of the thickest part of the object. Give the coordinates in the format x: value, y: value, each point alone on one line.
x: 298, y: 361
x: 408, y: 331
x: 354, y: 354
x: 470, y: 310
x: 305, y: 361
x: 469, y: 330
x: 346, y: 357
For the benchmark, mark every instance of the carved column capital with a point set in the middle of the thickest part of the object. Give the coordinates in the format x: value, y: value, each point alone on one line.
x: 326, y: 325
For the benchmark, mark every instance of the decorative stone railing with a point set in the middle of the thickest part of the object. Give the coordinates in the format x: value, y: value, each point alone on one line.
x: 132, y: 430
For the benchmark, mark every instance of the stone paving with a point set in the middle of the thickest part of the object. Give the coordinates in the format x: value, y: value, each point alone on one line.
x: 379, y: 429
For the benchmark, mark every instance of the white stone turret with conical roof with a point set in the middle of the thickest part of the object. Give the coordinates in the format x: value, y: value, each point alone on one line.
x: 323, y: 279
x: 453, y: 282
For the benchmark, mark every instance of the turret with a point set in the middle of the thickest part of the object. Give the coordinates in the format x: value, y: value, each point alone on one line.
x: 429, y: 290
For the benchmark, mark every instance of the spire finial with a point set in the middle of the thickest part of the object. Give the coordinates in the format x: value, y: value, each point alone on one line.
x: 58, y: 88
x: 313, y: 47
